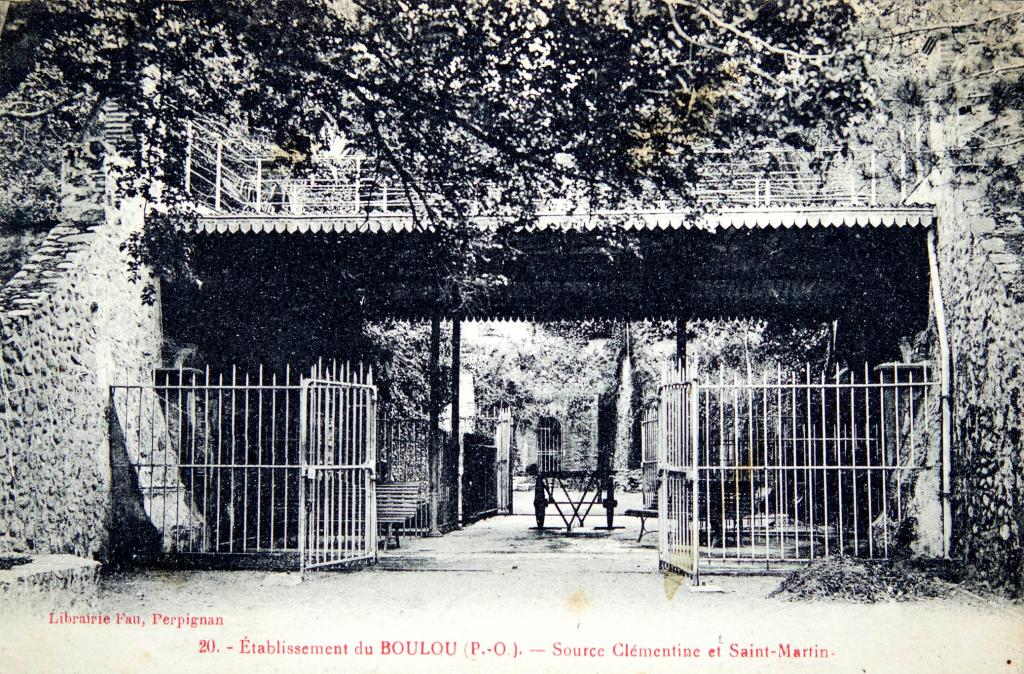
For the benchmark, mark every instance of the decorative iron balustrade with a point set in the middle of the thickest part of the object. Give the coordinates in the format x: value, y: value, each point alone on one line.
x: 227, y: 173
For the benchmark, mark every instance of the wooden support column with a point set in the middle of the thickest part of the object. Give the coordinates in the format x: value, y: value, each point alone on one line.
x: 456, y: 425
x: 682, y: 337
x: 434, y: 441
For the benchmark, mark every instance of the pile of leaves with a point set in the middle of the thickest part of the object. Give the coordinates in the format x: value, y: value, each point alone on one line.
x: 846, y: 579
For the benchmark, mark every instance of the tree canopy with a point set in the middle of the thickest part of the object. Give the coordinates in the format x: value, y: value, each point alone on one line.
x: 453, y: 97
x: 469, y: 106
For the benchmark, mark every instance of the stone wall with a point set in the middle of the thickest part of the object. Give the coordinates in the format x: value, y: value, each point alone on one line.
x: 985, y: 322
x: 16, y: 247
x: 71, y: 324
x: 48, y: 583
x: 954, y: 135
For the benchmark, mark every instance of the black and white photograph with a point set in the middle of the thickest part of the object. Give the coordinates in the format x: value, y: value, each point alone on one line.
x: 512, y: 336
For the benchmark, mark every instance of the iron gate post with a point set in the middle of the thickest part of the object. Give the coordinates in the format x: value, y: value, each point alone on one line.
x: 694, y: 421
x: 303, y: 467
x: 662, y: 473
x: 371, y: 462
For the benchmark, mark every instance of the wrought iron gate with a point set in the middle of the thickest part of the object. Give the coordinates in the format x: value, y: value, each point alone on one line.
x: 788, y: 468
x: 339, y: 442
x: 503, y: 461
x: 239, y: 470
x: 479, y: 477
x: 677, y: 488
x: 549, y: 444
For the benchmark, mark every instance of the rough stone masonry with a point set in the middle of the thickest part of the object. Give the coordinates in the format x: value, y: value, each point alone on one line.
x: 986, y: 333
x: 71, y: 324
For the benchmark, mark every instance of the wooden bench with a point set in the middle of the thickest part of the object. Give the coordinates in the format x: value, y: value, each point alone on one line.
x: 644, y: 514
x: 397, y: 503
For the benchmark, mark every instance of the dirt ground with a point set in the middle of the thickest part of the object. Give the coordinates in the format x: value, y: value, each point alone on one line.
x: 498, y: 596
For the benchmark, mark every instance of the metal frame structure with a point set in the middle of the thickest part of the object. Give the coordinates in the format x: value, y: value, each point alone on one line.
x: 217, y: 459
x: 339, y: 464
x: 789, y: 468
x: 230, y: 170
x: 677, y: 487
x: 239, y: 470
x: 649, y: 457
x: 503, y: 438
x: 404, y: 444
x: 579, y: 491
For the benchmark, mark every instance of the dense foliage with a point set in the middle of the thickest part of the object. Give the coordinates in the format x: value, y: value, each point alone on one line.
x: 490, y: 104
x: 537, y: 368
x: 399, y: 352
x: 468, y: 106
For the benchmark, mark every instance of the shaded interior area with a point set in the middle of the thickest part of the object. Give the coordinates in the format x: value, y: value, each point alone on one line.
x: 297, y: 297
x: 266, y: 300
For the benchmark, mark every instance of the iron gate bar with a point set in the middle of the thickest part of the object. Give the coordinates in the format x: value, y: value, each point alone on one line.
x: 402, y: 444
x: 678, y: 482
x: 792, y: 470
x: 197, y: 475
x: 221, y: 495
x: 339, y: 524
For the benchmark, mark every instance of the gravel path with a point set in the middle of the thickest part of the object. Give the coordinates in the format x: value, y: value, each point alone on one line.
x: 497, y: 587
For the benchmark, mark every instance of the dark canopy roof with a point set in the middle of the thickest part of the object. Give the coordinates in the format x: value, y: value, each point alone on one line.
x: 867, y: 269
x: 777, y: 263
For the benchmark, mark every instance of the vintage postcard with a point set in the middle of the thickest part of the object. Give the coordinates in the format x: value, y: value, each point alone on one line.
x: 511, y: 335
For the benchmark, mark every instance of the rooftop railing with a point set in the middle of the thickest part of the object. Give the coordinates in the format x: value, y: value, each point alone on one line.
x: 228, y: 173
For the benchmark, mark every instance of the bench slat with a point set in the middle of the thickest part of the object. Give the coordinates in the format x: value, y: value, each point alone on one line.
x: 641, y: 512
x: 398, y: 502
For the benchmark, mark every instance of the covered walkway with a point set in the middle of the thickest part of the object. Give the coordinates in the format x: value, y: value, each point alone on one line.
x: 512, y: 544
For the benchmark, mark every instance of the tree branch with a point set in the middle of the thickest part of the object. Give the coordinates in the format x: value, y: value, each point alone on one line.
x: 996, y: 146
x: 409, y: 186
x: 986, y: 73
x: 5, y: 5
x: 763, y: 75
x: 455, y: 119
x: 749, y: 37
x: 34, y: 114
x: 682, y: 33
x: 11, y: 111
